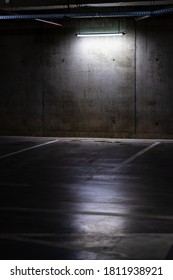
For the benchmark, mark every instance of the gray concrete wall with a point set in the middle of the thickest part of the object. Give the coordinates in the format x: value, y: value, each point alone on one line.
x: 154, y: 78
x: 55, y: 84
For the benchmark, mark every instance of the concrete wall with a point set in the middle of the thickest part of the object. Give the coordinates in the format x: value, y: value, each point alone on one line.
x: 154, y: 78
x: 55, y: 84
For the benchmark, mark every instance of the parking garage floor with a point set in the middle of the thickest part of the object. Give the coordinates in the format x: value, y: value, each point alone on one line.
x: 65, y: 198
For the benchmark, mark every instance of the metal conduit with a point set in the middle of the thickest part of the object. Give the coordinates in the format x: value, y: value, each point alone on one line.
x: 88, y: 15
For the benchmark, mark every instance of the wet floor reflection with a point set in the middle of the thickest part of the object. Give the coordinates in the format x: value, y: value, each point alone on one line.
x: 71, y: 190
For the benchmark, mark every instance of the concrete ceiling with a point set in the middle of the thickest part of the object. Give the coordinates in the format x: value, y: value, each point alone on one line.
x: 81, y: 5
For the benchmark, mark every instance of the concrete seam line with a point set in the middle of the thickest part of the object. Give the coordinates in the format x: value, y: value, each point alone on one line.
x: 135, y: 156
x: 27, y: 149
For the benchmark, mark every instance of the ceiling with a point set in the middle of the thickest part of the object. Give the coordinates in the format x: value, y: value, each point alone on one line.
x: 84, y: 7
x: 81, y: 5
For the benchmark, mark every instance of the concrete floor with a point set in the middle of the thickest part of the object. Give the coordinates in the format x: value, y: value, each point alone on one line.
x: 86, y: 198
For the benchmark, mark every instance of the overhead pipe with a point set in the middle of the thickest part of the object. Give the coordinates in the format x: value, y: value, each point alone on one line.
x: 88, y: 15
x: 41, y: 20
x: 163, y: 11
x: 91, y: 5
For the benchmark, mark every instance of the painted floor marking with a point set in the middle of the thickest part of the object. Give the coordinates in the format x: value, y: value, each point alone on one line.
x: 91, y: 213
x: 27, y: 149
x: 135, y: 156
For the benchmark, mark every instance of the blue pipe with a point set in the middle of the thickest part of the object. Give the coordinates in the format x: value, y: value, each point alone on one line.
x: 88, y: 15
x: 163, y: 12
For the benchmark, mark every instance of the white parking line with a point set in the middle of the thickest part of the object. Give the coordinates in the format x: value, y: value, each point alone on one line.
x: 27, y: 149
x: 132, y: 158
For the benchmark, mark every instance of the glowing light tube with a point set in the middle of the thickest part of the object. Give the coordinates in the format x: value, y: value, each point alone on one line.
x: 92, y: 34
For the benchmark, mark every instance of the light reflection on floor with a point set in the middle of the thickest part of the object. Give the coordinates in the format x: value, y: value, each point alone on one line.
x: 68, y: 200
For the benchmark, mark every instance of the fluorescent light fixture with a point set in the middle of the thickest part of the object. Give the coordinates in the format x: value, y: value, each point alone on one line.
x: 97, y: 34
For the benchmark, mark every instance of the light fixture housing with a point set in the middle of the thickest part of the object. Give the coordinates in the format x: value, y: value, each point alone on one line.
x: 100, y: 34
